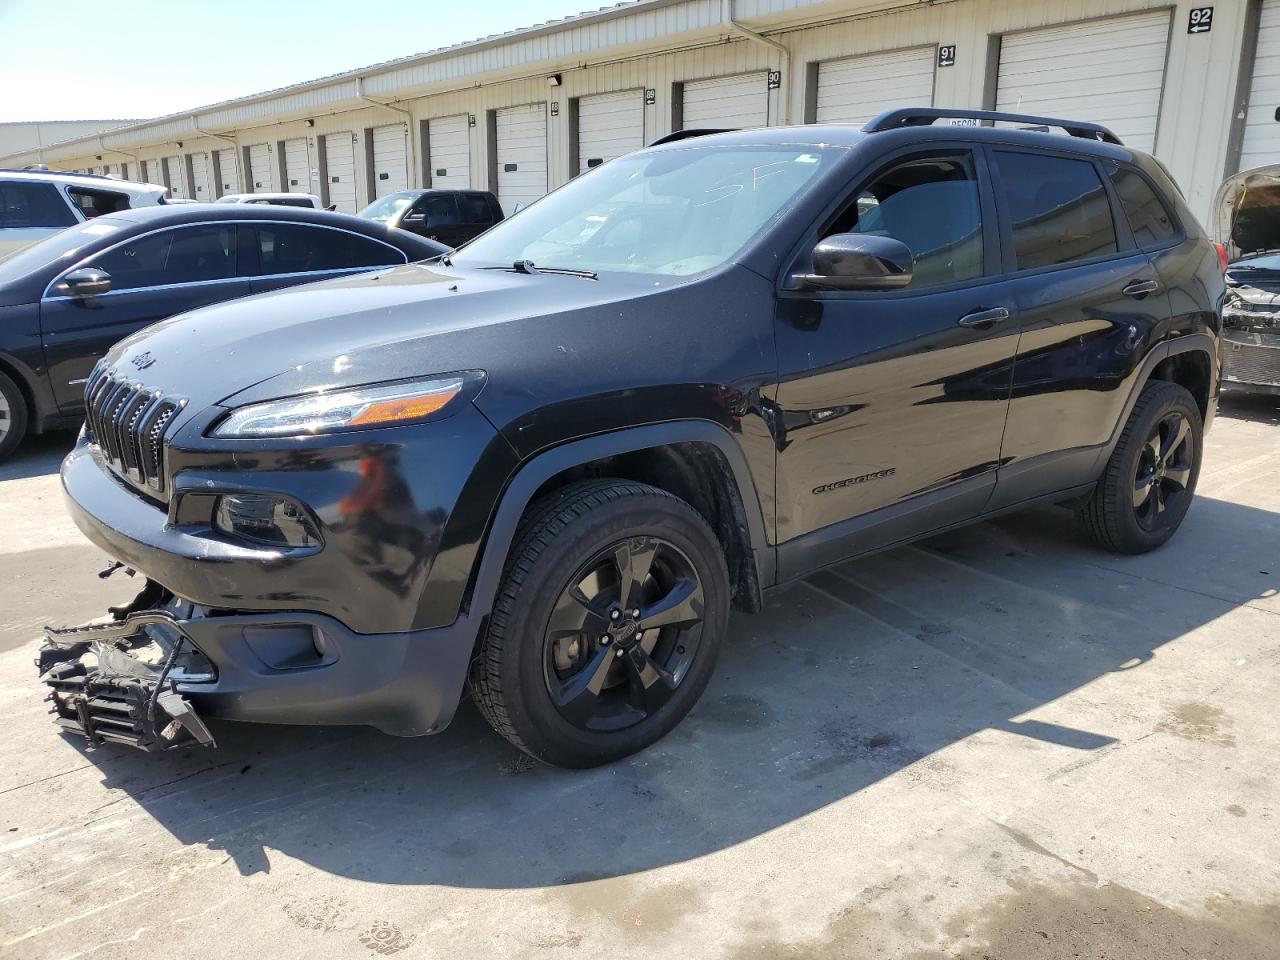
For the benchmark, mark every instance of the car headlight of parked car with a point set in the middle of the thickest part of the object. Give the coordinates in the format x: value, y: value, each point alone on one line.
x: 376, y: 405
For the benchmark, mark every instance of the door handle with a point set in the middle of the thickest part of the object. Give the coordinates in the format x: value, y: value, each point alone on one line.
x: 984, y: 318
x: 1140, y: 288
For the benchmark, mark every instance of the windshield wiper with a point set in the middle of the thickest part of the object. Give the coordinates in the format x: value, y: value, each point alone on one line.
x: 529, y: 267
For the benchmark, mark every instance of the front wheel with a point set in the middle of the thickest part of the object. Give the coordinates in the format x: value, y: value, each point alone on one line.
x: 1150, y: 479
x: 606, y: 629
x: 13, y: 416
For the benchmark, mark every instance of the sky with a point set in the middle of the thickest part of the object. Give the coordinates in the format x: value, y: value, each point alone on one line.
x: 136, y: 59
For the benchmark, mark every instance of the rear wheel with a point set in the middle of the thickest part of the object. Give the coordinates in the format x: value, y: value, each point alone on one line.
x: 1151, y: 477
x: 607, y: 625
x: 13, y: 416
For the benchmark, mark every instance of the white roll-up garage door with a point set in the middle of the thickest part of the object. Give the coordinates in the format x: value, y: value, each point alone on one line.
x: 1107, y: 71
x: 260, y: 178
x: 1261, y: 131
x: 726, y: 103
x: 522, y: 155
x: 177, y: 177
x: 390, y: 160
x: 609, y: 125
x: 856, y: 89
x: 449, y: 146
x: 297, y: 166
x: 228, y: 181
x: 340, y: 168
x: 200, y: 182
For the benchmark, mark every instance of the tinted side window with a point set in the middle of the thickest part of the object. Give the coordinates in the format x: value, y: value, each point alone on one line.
x: 184, y: 255
x: 475, y: 208
x: 437, y: 209
x: 1149, y: 219
x: 1059, y: 209
x: 930, y: 204
x: 95, y: 203
x: 296, y: 248
x: 33, y: 205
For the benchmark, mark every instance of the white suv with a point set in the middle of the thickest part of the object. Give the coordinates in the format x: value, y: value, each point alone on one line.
x: 36, y: 203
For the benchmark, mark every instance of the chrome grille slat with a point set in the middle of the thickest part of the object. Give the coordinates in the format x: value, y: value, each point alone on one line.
x: 128, y: 422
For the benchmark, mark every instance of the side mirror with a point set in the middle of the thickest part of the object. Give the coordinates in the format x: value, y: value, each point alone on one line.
x: 332, y: 207
x: 854, y: 261
x: 86, y: 282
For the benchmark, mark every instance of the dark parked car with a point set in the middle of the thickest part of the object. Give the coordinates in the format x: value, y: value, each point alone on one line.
x: 450, y: 216
x: 548, y: 465
x: 66, y: 300
x: 1248, y: 212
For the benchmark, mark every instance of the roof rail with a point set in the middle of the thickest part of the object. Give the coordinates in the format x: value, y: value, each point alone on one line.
x: 675, y: 135
x: 61, y: 173
x: 925, y: 116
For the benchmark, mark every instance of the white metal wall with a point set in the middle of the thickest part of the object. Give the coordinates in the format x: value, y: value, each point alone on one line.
x: 1261, y: 129
x: 340, y: 168
x: 735, y: 103
x: 1109, y: 71
x: 449, y: 152
x: 260, y: 178
x: 855, y: 89
x: 521, y: 155
x: 297, y: 166
x: 609, y: 125
x: 390, y: 159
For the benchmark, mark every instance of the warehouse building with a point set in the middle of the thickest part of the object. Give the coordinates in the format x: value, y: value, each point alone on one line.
x: 523, y: 112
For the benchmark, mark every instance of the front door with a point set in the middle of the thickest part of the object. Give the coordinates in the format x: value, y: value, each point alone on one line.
x: 891, y: 404
x: 435, y: 216
x: 154, y: 276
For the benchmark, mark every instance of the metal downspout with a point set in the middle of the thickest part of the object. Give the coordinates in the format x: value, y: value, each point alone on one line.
x: 408, y: 123
x: 726, y: 15
x: 235, y: 155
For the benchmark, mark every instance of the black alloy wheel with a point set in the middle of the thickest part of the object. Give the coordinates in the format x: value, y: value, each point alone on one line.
x: 1164, y: 470
x: 623, y: 633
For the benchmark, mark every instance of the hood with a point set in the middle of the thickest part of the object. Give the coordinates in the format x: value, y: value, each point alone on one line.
x: 414, y: 320
x: 1246, y: 212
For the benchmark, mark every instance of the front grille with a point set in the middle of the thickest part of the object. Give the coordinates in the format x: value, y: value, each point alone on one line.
x: 128, y: 422
x: 1255, y: 360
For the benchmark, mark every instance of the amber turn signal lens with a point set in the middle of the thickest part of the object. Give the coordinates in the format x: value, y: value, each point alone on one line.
x: 405, y: 408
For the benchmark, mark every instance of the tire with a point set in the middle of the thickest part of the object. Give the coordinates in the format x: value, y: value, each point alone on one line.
x: 13, y: 416
x: 1149, y: 482
x: 556, y: 673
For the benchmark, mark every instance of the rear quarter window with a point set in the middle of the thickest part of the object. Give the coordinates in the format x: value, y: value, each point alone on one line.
x: 1149, y: 217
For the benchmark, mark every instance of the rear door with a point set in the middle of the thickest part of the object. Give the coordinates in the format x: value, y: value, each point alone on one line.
x: 1090, y: 305
x: 153, y: 276
x: 30, y: 211
x: 284, y: 254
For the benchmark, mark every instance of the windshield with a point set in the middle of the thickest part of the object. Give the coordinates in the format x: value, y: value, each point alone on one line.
x: 1268, y: 264
x: 384, y: 208
x: 230, y: 198
x: 673, y: 213
x: 65, y: 247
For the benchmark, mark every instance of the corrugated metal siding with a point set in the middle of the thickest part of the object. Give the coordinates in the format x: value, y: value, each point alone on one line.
x: 449, y: 143
x: 855, y: 89
x: 1261, y: 131
x: 609, y: 125
x: 735, y: 103
x: 1109, y: 71
x: 390, y: 160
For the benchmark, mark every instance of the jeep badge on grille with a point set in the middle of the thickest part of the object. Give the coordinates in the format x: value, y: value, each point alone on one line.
x: 143, y: 360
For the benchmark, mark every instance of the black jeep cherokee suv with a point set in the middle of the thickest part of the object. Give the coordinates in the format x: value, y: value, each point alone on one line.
x: 546, y: 466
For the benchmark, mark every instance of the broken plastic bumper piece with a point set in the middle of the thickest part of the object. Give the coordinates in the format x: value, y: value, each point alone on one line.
x: 117, y: 682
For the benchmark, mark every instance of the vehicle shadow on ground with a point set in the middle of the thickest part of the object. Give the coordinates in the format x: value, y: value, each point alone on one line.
x: 38, y: 456
x: 860, y: 672
x: 1254, y: 407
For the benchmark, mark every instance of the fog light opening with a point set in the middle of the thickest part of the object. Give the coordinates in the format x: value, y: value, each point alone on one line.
x: 264, y: 518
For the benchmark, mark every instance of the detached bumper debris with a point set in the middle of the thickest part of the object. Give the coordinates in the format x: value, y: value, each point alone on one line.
x: 116, y: 682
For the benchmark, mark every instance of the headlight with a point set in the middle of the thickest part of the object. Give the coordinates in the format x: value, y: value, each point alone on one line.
x: 380, y: 405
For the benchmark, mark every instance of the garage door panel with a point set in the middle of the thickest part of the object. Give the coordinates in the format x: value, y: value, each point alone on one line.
x: 610, y: 125
x: 449, y: 144
x: 1108, y: 71
x: 260, y: 169
x: 1261, y: 132
x: 738, y: 102
x: 230, y: 181
x: 854, y: 90
x: 177, y: 179
x: 521, y: 155
x: 297, y: 166
x: 202, y: 182
x: 340, y: 169
x: 390, y: 160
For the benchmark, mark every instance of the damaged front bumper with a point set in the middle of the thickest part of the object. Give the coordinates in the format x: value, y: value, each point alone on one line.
x: 117, y: 682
